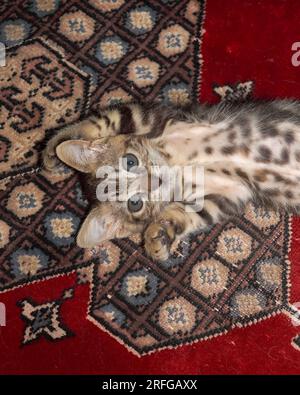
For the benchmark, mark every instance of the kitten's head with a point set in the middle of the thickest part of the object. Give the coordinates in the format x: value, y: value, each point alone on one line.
x: 105, y: 162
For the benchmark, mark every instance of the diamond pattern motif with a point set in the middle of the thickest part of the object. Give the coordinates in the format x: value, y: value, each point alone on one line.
x: 84, y: 55
x: 199, y: 294
x: 105, y: 47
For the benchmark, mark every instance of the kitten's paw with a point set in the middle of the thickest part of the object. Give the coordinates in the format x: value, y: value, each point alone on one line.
x: 158, y: 241
x: 50, y: 159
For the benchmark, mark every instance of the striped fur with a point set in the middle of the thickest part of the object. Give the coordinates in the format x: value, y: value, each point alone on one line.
x: 249, y: 151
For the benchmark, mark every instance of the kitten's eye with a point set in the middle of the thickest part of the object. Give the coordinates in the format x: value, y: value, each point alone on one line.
x: 135, y: 203
x: 129, y: 161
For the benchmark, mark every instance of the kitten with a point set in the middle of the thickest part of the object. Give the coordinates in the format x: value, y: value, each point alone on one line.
x: 249, y: 151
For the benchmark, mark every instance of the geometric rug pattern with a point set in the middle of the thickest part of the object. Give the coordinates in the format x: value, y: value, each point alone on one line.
x: 65, y: 58
x: 233, y: 275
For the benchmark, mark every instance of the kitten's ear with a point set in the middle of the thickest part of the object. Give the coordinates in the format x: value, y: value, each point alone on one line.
x: 100, y: 226
x: 79, y: 154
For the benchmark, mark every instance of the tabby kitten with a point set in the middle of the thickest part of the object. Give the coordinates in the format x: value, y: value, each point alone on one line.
x: 248, y: 151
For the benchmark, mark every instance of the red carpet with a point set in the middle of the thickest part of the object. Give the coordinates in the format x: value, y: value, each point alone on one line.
x: 243, y: 41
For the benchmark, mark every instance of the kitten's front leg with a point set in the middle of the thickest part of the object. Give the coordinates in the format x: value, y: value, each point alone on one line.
x: 158, y: 240
x: 225, y: 195
x: 172, y: 224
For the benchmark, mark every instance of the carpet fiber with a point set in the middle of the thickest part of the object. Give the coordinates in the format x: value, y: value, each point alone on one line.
x: 66, y: 57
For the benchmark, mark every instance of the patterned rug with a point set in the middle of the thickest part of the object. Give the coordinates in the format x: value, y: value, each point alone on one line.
x: 79, y: 60
x: 64, y: 58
